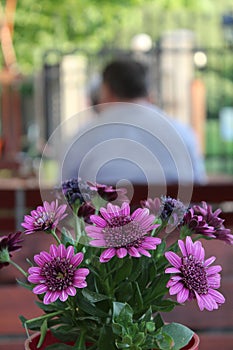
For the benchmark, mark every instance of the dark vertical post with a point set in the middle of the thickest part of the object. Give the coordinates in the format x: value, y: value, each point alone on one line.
x: 52, y: 110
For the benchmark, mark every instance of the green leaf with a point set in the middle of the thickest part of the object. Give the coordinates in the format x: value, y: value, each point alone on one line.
x: 117, y: 307
x: 126, y: 316
x: 23, y: 320
x: 106, y: 339
x: 122, y: 345
x: 33, y: 325
x: 138, y: 296
x: 60, y: 305
x: 90, y: 318
x: 157, y: 289
x: 150, y: 326
x: 66, y: 237
x: 152, y: 270
x: 163, y: 341
x: 90, y: 309
x: 180, y: 334
x: 158, y: 321
x: 122, y: 313
x: 160, y: 249
x: 117, y: 329
x: 161, y: 264
x: 93, y: 297
x: 125, y: 291
x: 123, y: 272
x: 164, y: 305
x: 43, y: 331
x: 25, y: 285
x: 29, y: 262
x: 185, y: 231
x: 65, y: 333
x: 147, y: 316
x: 127, y: 339
x: 46, y: 308
x: 137, y: 269
x: 139, y: 338
x: 140, y: 272
x: 80, y: 343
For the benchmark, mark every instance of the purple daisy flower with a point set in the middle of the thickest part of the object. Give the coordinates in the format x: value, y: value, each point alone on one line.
x: 154, y: 205
x: 76, y: 190
x: 109, y: 193
x: 224, y: 234
x: 10, y: 243
x: 212, y: 218
x: 214, y: 221
x: 57, y: 275
x: 44, y: 218
x: 122, y: 233
x: 173, y: 210
x: 194, y: 277
x: 197, y: 224
x: 85, y: 211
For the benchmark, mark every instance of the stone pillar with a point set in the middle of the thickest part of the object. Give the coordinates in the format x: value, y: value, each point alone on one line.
x: 73, y: 91
x: 177, y: 72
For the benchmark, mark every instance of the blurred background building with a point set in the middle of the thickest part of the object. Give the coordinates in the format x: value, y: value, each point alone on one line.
x: 50, y: 57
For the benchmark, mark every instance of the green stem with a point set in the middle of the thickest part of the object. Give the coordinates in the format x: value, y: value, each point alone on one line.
x: 78, y: 230
x: 52, y: 314
x: 158, y: 229
x: 80, y: 343
x: 18, y: 268
x: 106, y: 276
x: 55, y: 236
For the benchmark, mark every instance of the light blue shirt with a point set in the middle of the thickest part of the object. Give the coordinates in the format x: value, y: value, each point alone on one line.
x: 137, y: 143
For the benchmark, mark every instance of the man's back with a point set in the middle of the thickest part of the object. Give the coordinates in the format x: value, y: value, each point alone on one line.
x: 137, y: 143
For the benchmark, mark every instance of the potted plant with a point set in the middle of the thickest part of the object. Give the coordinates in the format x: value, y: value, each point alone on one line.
x: 113, y: 269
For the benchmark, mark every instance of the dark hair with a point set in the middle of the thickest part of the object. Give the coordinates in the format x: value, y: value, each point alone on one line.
x: 126, y: 78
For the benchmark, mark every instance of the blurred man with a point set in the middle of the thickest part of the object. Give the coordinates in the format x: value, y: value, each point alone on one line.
x: 131, y: 139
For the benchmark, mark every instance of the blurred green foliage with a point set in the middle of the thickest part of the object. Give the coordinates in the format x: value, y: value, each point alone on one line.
x: 218, y: 151
x: 93, y: 24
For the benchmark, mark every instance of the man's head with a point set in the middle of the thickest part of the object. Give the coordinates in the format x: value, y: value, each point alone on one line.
x: 124, y: 80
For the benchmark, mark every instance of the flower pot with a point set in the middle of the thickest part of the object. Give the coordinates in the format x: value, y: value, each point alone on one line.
x: 31, y: 344
x: 193, y: 344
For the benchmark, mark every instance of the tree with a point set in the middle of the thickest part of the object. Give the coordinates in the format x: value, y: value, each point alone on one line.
x: 93, y: 24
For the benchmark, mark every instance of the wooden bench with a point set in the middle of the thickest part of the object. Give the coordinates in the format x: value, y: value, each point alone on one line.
x: 215, y: 328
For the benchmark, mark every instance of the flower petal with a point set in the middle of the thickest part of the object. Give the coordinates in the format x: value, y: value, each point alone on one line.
x: 47, y: 298
x: 182, y: 295
x: 121, y: 252
x: 176, y: 288
x: 77, y: 259
x: 40, y: 289
x: 98, y: 220
x: 134, y: 252
x: 107, y: 255
x: 63, y: 296
x: 173, y: 259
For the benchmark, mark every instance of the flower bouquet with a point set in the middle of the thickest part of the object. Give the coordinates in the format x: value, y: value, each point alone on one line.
x: 114, y: 268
